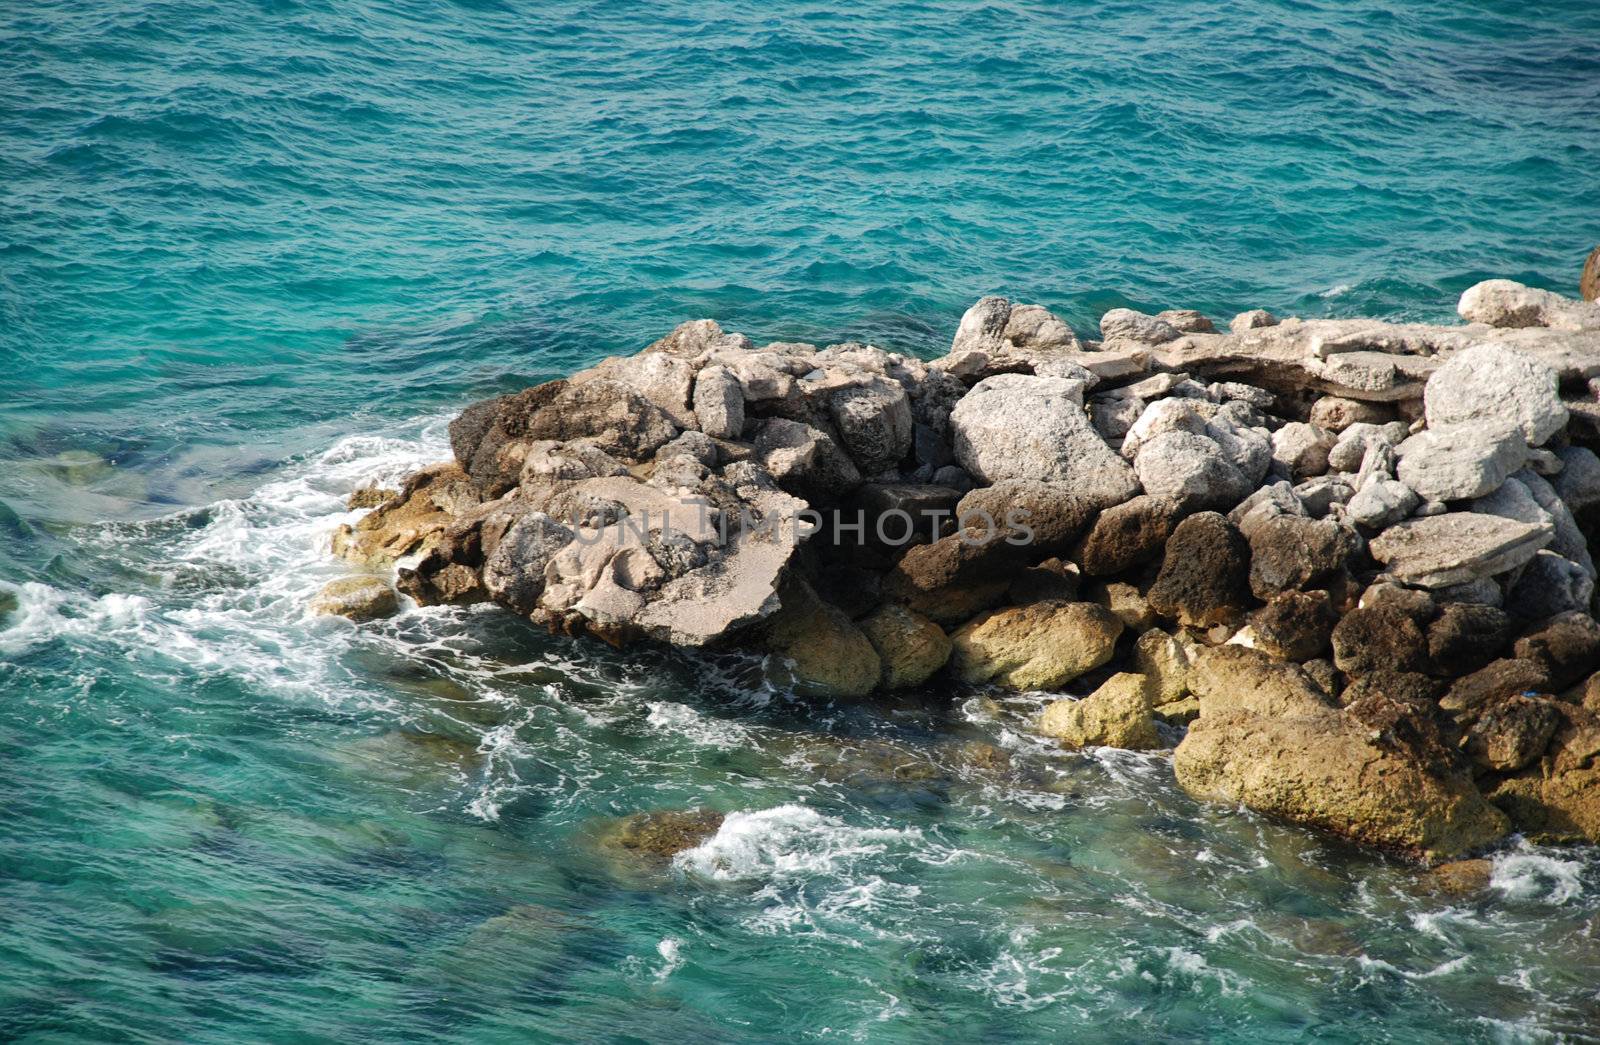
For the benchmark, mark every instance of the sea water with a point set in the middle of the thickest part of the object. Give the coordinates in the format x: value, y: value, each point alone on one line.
x: 253, y: 256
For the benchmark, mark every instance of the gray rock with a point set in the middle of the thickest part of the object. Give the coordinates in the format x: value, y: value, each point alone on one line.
x: 1569, y: 540
x: 1167, y: 415
x: 1017, y: 427
x: 1350, y: 449
x: 1186, y: 320
x: 1505, y: 303
x: 1456, y: 548
x: 1336, y: 413
x: 1381, y: 502
x: 1302, y: 449
x: 1550, y: 584
x: 805, y: 460
x: 1578, y: 483
x: 1255, y: 319
x: 1184, y: 466
x: 360, y: 598
x: 1461, y: 461
x: 1492, y: 384
x: 514, y: 573
x: 1124, y: 324
x: 1322, y: 494
x: 1238, y: 391
x: 1114, y: 415
x: 1036, y: 327
x: 719, y: 402
x: 874, y: 422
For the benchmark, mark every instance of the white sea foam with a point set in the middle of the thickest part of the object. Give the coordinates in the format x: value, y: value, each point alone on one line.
x: 789, y: 841
x: 1529, y: 874
x: 44, y: 613
x: 685, y: 721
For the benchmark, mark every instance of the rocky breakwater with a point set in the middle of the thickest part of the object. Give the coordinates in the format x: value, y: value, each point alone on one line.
x: 1345, y: 564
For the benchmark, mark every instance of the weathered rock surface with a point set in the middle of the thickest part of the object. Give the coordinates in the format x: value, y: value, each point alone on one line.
x: 358, y: 598
x: 1204, y: 578
x: 1326, y: 768
x: 1118, y: 714
x: 910, y: 647
x: 1041, y: 646
x: 1013, y: 426
x: 1456, y: 548
x: 1526, y: 392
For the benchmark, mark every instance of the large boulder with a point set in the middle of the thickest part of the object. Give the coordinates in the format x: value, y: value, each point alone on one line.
x: 1441, y: 551
x: 1118, y: 714
x: 1044, y: 645
x: 1566, y: 647
x: 1378, y: 638
x: 1127, y: 535
x: 1017, y: 427
x: 1046, y: 517
x: 361, y: 598
x: 910, y: 647
x: 1496, y: 385
x: 1292, y: 553
x: 1558, y: 798
x: 1204, y: 578
x: 1330, y: 769
x: 827, y: 653
x: 1461, y: 461
x: 1182, y: 466
x: 1504, y: 303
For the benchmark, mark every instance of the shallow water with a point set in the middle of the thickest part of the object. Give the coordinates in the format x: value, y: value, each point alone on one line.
x: 255, y: 255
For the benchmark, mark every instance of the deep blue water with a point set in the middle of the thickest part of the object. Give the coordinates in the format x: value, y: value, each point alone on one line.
x: 253, y: 255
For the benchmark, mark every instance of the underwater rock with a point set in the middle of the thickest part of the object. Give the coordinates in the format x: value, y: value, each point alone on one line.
x: 358, y: 598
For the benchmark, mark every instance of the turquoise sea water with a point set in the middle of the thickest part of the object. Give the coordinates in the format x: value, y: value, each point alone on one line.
x: 253, y: 255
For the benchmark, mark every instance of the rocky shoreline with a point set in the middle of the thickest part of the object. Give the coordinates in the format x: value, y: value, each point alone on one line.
x: 1346, y: 562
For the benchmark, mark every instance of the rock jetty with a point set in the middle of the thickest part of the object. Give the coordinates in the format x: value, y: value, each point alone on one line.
x: 1345, y: 564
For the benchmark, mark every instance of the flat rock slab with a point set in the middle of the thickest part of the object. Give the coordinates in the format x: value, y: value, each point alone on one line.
x: 1457, y: 548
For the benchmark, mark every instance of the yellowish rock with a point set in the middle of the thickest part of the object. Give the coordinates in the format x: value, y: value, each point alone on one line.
x: 827, y: 653
x: 1115, y: 715
x: 358, y: 598
x: 911, y: 647
x: 1044, y: 645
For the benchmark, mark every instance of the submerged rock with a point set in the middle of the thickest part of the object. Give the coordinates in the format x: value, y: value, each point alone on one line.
x: 358, y: 598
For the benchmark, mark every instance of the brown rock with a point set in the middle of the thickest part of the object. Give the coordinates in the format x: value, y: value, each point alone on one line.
x: 1232, y: 678
x: 1204, y: 575
x: 1128, y: 535
x: 1465, y: 637
x: 1491, y: 684
x: 1115, y: 715
x: 1049, y: 514
x: 1127, y: 603
x: 657, y: 836
x: 1558, y: 799
x: 1327, y: 769
x: 358, y: 598
x: 910, y: 646
x: 1589, y: 283
x: 1374, y: 639
x: 1295, y: 625
x: 828, y: 654
x: 1511, y: 734
x: 1291, y: 553
x: 1567, y: 647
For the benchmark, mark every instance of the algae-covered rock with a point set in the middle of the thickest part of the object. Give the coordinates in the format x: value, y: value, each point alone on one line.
x: 828, y: 654
x: 358, y: 598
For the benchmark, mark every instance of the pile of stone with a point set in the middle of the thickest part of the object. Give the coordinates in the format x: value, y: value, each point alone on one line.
x: 1347, y: 561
